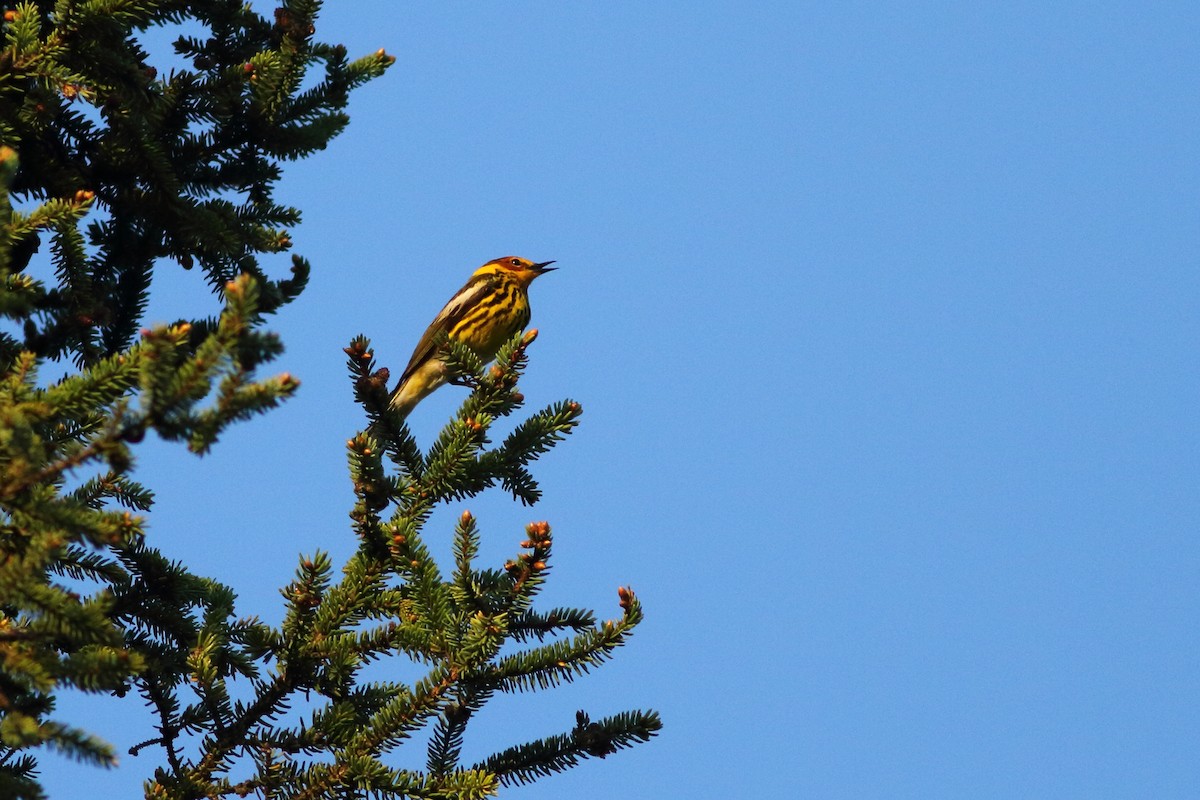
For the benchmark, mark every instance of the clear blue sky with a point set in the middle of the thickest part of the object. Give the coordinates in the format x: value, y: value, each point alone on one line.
x: 884, y: 321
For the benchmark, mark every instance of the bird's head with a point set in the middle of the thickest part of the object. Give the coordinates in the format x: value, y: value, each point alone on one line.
x: 522, y: 269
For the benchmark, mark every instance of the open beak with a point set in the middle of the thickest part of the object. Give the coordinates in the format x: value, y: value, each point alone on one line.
x: 544, y: 267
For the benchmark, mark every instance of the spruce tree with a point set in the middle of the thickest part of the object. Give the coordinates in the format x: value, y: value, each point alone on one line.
x: 110, y: 172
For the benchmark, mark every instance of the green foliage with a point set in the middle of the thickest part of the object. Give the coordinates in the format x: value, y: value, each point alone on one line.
x: 109, y: 172
x: 473, y: 631
x: 178, y: 167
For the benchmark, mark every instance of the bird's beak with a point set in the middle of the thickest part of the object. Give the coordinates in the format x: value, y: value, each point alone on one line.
x: 544, y: 267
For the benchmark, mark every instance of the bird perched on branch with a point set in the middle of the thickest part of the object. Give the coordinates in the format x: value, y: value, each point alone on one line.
x: 484, y: 314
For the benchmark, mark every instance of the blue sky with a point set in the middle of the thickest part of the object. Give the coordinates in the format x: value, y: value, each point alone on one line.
x: 883, y: 318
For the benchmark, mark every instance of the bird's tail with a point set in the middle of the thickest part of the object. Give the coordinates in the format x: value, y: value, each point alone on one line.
x: 416, y: 385
x: 403, y: 399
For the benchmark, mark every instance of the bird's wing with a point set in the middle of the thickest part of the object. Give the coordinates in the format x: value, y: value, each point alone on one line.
x: 463, y: 301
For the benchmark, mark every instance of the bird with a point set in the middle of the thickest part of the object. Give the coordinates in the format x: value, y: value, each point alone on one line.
x: 484, y: 314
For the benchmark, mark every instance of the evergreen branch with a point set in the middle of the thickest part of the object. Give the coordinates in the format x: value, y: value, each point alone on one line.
x: 532, y: 438
x: 562, y: 661
x: 233, y: 735
x: 369, y: 775
x: 386, y: 428
x: 18, y: 776
x: 462, y: 362
x: 81, y: 565
x: 161, y: 696
x: 182, y: 169
x: 371, y: 486
x: 76, y: 744
x: 115, y: 486
x: 466, y: 590
x: 537, y: 624
x: 428, y: 597
x: 528, y: 571
x: 403, y: 714
x: 445, y: 745
x: 526, y: 763
x: 109, y: 445
x: 538, y: 434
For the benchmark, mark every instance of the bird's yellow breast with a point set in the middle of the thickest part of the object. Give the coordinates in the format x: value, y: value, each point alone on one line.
x: 500, y: 313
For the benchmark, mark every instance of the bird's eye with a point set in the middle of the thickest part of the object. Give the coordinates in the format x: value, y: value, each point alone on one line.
x: 516, y: 262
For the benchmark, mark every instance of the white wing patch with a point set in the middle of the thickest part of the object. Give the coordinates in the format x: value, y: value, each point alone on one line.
x: 462, y: 300
x: 460, y: 304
